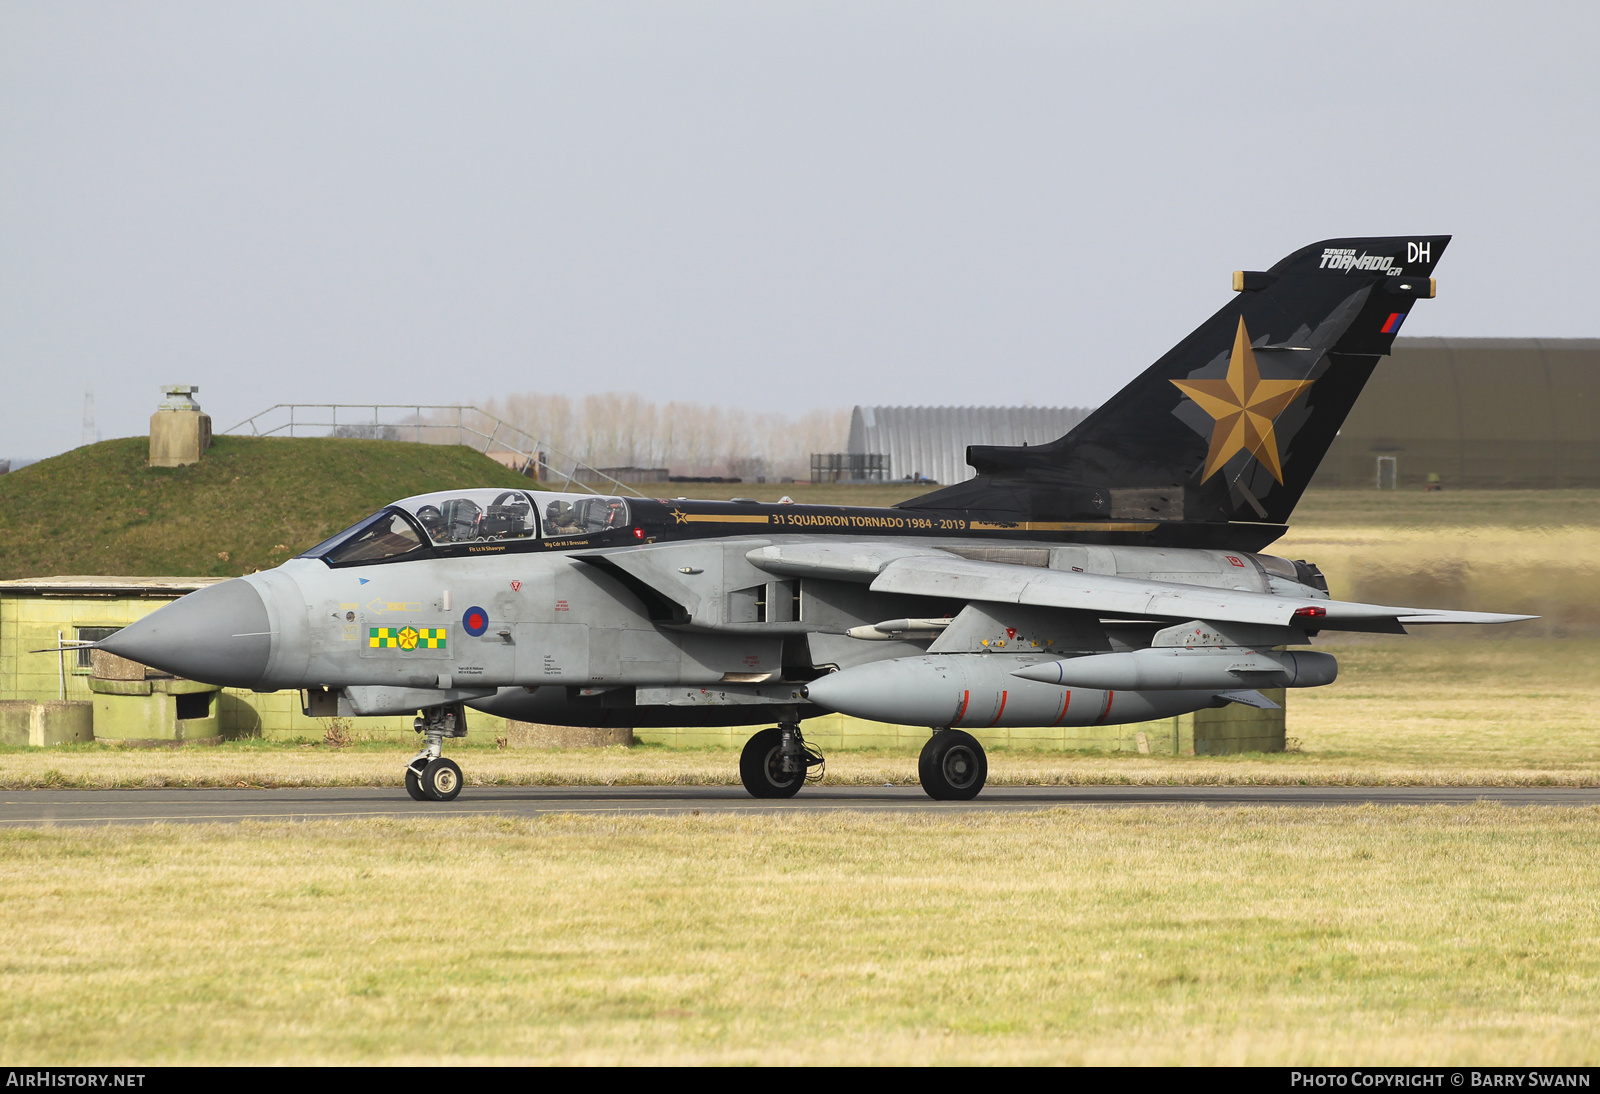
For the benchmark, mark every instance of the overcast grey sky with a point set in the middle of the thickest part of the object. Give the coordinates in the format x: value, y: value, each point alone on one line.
x: 774, y: 205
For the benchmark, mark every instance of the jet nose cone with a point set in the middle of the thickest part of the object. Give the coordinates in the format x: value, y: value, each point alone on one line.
x: 218, y: 635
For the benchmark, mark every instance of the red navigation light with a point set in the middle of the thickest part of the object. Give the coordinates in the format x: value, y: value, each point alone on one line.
x: 1311, y: 613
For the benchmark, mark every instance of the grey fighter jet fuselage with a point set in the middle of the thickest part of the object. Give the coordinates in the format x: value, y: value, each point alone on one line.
x: 1114, y: 575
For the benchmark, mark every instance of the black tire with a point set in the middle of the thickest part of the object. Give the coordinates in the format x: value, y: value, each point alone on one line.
x: 759, y: 771
x: 953, y: 767
x: 441, y: 780
x: 414, y: 786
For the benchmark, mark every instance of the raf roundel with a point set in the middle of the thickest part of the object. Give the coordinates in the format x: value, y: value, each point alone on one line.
x: 475, y: 621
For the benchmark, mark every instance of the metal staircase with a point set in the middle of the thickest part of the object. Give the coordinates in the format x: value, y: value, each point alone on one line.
x: 426, y: 423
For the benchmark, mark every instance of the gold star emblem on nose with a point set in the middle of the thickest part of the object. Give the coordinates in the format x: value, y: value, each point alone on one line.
x: 1244, y: 406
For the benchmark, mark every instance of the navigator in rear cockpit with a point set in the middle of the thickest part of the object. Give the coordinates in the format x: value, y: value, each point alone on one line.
x: 561, y: 518
x: 576, y: 515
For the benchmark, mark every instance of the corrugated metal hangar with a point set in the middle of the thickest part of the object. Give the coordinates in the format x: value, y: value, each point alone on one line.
x: 1508, y: 412
x: 1476, y: 412
x: 930, y: 442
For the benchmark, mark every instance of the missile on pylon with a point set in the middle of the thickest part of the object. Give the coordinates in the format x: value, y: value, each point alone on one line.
x: 1167, y: 669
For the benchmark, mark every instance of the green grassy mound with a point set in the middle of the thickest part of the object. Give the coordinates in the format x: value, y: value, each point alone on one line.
x: 249, y: 504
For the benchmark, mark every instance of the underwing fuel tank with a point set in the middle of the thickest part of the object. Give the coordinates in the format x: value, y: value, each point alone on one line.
x: 977, y: 691
x: 1180, y: 669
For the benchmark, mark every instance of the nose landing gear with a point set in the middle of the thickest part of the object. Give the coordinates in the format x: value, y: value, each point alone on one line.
x: 777, y: 762
x: 429, y: 776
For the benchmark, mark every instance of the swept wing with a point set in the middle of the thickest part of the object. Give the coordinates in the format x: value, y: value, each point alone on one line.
x: 892, y: 568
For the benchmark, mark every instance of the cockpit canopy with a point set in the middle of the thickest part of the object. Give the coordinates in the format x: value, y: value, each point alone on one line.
x: 451, y: 517
x: 473, y: 516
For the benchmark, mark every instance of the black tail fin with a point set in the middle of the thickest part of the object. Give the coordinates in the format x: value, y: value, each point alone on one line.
x: 1231, y: 423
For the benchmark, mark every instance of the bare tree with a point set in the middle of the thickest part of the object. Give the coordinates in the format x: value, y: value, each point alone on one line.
x: 616, y: 429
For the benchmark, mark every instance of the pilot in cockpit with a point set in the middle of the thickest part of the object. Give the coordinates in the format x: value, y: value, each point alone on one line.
x: 433, y: 521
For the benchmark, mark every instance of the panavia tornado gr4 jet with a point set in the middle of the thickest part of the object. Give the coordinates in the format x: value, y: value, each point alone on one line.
x: 1113, y: 575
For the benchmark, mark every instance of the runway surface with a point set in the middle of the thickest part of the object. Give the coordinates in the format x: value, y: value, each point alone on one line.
x: 73, y: 807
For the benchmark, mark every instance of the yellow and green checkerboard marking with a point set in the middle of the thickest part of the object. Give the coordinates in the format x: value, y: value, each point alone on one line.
x: 406, y: 638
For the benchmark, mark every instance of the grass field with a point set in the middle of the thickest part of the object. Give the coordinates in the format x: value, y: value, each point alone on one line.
x: 1523, y: 551
x: 1419, y: 935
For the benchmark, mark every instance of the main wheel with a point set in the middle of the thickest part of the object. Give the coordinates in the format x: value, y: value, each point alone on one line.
x: 761, y: 770
x: 441, y: 780
x: 953, y: 767
x: 414, y: 786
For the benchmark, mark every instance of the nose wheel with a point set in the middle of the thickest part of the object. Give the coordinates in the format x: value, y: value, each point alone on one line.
x: 429, y: 776
x: 438, y: 781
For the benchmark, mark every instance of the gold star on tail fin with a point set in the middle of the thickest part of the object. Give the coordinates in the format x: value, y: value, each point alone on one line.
x: 1243, y: 406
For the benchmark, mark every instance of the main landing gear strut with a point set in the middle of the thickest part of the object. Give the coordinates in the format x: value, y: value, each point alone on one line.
x: 429, y: 776
x: 777, y: 762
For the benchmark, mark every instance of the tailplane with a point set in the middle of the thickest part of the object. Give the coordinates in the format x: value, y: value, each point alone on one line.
x: 1231, y: 423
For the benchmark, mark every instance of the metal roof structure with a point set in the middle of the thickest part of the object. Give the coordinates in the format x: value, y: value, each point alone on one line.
x: 1508, y: 412
x: 931, y: 441
x: 98, y: 586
